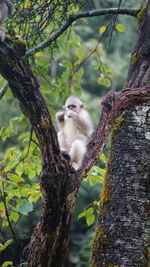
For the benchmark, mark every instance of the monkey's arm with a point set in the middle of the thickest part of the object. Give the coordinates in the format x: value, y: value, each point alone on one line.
x: 83, y: 121
x: 60, y: 118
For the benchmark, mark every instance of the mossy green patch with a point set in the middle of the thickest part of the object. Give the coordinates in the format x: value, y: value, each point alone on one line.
x: 141, y: 13
x: 117, y: 124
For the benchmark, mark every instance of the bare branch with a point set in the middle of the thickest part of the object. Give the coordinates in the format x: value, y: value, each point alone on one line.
x: 3, y: 90
x: 2, y: 193
x: 74, y: 17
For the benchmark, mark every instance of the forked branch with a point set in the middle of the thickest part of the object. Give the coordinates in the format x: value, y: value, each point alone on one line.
x: 113, y: 104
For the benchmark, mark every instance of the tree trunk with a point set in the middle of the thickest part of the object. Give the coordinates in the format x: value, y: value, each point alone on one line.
x: 49, y: 242
x: 123, y: 229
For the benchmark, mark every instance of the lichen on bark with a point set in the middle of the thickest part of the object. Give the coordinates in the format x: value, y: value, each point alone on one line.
x: 125, y: 218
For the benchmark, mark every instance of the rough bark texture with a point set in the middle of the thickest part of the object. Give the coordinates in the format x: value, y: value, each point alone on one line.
x: 50, y: 238
x: 123, y: 227
x: 123, y: 230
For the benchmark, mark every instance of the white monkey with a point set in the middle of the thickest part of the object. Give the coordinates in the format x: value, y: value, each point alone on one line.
x: 6, y: 9
x: 75, y: 127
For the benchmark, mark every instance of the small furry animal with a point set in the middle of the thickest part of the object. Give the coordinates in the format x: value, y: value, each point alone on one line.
x: 75, y: 127
x: 6, y: 9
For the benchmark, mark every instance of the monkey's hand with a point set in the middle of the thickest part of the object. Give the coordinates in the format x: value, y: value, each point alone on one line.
x: 71, y: 114
x: 60, y: 116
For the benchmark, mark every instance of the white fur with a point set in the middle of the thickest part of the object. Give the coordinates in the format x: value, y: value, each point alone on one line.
x: 75, y: 130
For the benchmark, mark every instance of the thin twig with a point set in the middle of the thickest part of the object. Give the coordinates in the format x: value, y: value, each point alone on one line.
x: 74, y: 17
x: 3, y: 90
x: 3, y: 235
x: 114, y: 22
x: 7, y: 214
x: 77, y: 67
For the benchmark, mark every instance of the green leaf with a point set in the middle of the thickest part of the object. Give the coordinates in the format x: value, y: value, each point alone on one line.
x: 101, y: 79
x: 32, y: 174
x: 30, y: 169
x: 107, y: 82
x: 103, y: 157
x: 14, y: 216
x: 108, y: 70
x: 10, y: 166
x: 25, y: 207
x: 89, y: 215
x: 15, y: 178
x: 120, y: 28
x: 94, y: 179
x: 20, y: 169
x: 102, y: 29
x: 7, y: 132
x: 38, y: 169
x: 89, y: 211
x: 99, y: 170
x: 6, y: 244
x: 102, y: 68
x: 34, y: 197
x: 7, y: 263
x: 90, y: 219
x: 25, y: 136
x: 80, y: 53
x: 86, y: 212
x: 82, y: 214
x: 5, y: 223
x: 14, y: 121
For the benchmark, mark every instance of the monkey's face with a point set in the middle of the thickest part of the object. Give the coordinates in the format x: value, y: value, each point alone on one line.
x: 74, y: 108
x: 74, y: 104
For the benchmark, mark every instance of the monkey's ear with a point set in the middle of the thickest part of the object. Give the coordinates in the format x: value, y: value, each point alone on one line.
x: 64, y: 107
x: 81, y: 106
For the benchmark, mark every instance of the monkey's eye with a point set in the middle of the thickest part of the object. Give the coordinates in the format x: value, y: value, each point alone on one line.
x: 71, y: 106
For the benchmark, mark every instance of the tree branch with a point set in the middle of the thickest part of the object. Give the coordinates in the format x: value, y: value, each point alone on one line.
x: 74, y: 17
x: 3, y: 90
x: 113, y: 104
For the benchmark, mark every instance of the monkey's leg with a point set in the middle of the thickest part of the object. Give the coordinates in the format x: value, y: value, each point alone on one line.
x: 61, y: 141
x: 76, y: 153
x: 62, y: 145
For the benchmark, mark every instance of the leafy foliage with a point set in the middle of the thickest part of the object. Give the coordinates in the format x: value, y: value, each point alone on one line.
x: 18, y: 169
x: 96, y: 175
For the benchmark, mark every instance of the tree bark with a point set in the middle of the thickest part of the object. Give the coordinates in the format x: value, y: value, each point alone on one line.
x: 123, y: 229
x: 50, y: 238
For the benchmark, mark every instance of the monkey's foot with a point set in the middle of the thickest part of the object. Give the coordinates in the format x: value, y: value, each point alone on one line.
x: 75, y: 166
